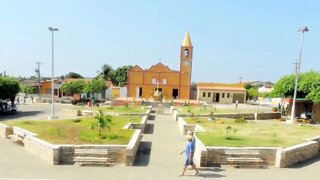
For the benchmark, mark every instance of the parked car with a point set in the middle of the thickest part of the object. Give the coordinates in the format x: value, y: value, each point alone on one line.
x: 305, y: 115
x: 6, y: 108
x: 65, y: 99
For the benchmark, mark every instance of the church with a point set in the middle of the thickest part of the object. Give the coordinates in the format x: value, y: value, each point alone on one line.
x: 160, y: 80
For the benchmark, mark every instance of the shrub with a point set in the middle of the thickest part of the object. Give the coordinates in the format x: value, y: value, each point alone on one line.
x: 240, y: 120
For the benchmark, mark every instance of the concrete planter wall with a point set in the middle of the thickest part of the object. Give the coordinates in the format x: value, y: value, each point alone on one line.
x: 297, y: 153
x: 207, y: 156
x: 64, y: 153
x: 43, y: 149
x: 216, y: 155
x: 248, y: 116
x: 133, y: 147
x: 5, y: 130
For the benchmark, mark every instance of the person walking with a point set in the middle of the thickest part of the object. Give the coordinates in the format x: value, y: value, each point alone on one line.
x: 189, y: 152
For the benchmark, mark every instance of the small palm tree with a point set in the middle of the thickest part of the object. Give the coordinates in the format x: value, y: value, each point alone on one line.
x: 103, y: 121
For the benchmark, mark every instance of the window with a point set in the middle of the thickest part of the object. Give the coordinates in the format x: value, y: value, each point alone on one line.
x: 154, y: 81
x: 209, y: 94
x: 222, y: 95
x: 204, y: 94
x: 164, y: 81
x: 228, y: 95
x: 186, y: 53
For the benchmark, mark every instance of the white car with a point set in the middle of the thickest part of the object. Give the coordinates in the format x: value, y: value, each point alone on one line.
x: 65, y: 99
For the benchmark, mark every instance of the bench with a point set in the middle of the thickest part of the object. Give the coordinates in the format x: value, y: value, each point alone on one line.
x: 17, y: 137
x: 245, y: 157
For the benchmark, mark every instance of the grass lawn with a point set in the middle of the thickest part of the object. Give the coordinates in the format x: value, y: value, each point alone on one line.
x: 79, y: 131
x: 208, y: 110
x: 253, y: 134
x: 116, y: 109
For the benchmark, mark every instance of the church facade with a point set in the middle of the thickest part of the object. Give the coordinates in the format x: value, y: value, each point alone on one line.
x: 160, y: 79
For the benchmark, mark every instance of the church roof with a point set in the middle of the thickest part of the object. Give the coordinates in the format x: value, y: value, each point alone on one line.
x: 187, y: 41
x: 221, y: 86
x: 136, y: 68
x: 160, y: 67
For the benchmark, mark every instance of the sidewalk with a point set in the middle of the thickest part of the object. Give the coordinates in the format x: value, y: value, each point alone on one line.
x: 158, y: 159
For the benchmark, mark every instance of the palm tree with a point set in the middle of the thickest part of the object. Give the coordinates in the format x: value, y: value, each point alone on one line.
x: 106, y: 71
x: 103, y: 121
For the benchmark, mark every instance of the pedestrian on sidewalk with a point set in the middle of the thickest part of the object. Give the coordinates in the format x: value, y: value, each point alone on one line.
x: 189, y: 152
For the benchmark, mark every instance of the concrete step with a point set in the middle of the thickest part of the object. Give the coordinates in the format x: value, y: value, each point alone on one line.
x: 91, y: 152
x: 93, y: 161
x: 90, y: 159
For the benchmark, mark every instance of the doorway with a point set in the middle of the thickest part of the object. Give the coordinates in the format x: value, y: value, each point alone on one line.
x: 175, y: 93
x: 215, y: 97
x: 139, y: 92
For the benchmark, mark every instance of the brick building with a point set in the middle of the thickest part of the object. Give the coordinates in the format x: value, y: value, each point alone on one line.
x: 160, y: 79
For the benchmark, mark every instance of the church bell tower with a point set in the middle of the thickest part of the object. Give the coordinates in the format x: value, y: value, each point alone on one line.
x: 186, y: 54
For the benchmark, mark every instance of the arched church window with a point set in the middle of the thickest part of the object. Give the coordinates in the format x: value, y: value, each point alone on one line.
x: 154, y: 80
x: 164, y: 81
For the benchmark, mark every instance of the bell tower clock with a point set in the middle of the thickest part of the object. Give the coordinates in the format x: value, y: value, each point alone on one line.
x: 186, y: 54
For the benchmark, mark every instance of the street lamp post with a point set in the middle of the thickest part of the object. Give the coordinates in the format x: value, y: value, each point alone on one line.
x: 52, y: 77
x: 292, y: 120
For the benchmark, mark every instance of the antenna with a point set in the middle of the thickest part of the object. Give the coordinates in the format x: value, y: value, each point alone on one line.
x: 240, y: 78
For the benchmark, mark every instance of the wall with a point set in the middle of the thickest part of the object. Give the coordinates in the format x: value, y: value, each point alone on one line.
x: 247, y: 116
x: 184, y: 127
x: 316, y: 112
x: 297, y: 153
x: 5, y: 130
x: 215, y: 155
x: 133, y: 147
x: 210, y: 156
x: 261, y: 116
x: 41, y: 148
x: 64, y: 154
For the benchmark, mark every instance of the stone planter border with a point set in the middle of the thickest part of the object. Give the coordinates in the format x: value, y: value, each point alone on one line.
x: 208, y: 156
x: 65, y: 153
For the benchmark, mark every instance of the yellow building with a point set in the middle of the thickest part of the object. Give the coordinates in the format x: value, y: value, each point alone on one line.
x: 169, y: 83
x: 221, y: 92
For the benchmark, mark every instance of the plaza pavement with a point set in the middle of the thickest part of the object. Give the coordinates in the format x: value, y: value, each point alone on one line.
x: 158, y: 159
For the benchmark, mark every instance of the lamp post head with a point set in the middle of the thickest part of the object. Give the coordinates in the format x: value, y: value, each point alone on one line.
x: 52, y: 29
x: 303, y: 29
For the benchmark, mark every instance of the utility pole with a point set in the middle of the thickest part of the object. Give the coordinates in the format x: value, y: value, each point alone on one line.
x: 38, y: 71
x: 240, y: 78
x: 293, y: 110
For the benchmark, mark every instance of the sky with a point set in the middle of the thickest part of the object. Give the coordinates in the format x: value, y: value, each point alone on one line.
x: 248, y: 39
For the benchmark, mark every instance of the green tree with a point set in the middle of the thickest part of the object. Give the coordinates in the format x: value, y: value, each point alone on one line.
x: 102, y: 121
x: 9, y: 88
x: 105, y: 72
x: 308, y: 86
x: 73, y: 87
x: 28, y: 89
x: 73, y: 75
x: 252, y: 91
x: 284, y: 87
x: 119, y: 77
x: 95, y: 86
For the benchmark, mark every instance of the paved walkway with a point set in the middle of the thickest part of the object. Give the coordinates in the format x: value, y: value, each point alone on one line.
x: 158, y: 159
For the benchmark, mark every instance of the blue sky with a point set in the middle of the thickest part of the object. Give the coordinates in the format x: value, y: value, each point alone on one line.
x: 255, y: 40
